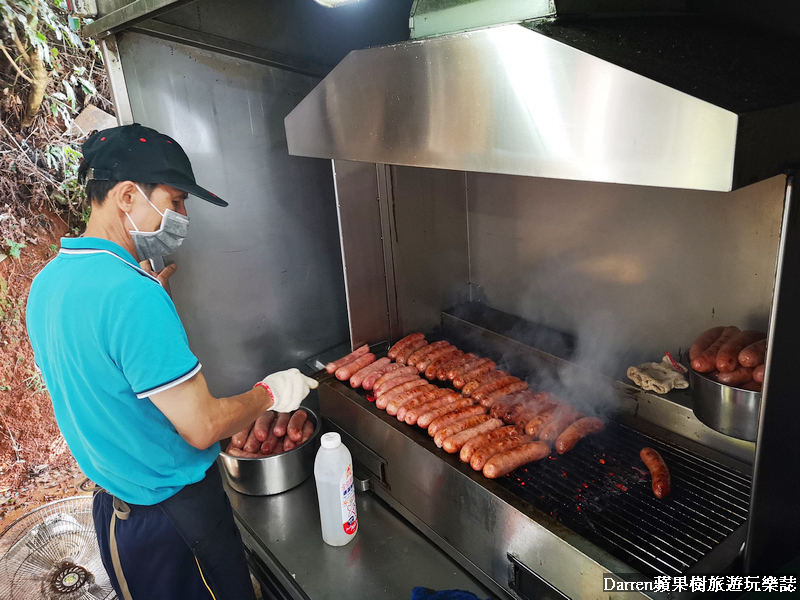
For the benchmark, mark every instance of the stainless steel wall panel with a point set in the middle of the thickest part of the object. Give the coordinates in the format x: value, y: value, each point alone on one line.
x: 431, y: 257
x: 639, y: 270
x: 259, y: 286
x: 362, y: 251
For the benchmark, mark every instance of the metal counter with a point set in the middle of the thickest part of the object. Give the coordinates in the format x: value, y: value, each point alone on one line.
x: 387, y: 558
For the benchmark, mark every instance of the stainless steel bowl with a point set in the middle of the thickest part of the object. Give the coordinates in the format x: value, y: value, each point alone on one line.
x: 726, y: 409
x: 273, y: 474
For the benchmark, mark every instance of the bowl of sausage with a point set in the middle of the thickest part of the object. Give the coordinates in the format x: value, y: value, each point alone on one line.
x: 275, y: 455
x: 726, y: 378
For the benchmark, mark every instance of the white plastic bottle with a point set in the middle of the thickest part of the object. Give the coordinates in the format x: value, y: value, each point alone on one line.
x: 333, y: 471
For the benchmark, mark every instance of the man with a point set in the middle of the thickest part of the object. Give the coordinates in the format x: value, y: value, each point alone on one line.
x: 128, y: 394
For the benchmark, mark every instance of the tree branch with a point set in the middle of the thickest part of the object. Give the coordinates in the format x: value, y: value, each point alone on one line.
x: 14, y: 64
x: 20, y: 48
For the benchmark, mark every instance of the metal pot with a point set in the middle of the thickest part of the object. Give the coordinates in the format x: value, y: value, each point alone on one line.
x: 726, y: 409
x: 273, y: 474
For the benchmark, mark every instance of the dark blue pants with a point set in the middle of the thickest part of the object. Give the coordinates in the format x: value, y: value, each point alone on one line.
x: 184, y: 548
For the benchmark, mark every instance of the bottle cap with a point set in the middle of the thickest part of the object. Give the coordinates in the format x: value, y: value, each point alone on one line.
x: 331, y: 440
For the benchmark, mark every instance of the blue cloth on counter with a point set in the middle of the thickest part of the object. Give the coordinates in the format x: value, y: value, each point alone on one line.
x: 421, y: 593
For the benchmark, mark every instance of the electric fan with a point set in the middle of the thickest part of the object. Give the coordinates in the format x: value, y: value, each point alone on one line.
x: 52, y: 554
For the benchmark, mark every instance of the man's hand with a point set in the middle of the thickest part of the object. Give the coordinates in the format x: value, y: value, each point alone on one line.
x: 163, y: 275
x: 288, y: 389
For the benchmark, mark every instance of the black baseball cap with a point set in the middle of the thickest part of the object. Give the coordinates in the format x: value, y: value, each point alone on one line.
x: 138, y: 153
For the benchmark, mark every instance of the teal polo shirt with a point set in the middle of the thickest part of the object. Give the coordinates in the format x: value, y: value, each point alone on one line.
x: 106, y: 337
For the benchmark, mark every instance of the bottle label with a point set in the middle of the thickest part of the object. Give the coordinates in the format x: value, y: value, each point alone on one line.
x: 348, y: 497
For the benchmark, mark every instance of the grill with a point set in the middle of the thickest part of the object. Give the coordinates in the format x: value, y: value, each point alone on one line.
x: 601, y: 490
x: 598, y: 497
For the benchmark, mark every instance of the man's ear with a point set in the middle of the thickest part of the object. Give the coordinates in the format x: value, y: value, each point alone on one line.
x: 123, y: 195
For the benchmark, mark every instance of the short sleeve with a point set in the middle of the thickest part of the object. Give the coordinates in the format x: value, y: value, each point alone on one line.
x: 149, y: 343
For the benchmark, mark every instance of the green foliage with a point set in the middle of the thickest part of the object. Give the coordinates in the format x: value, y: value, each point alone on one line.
x: 14, y: 248
x: 28, y: 17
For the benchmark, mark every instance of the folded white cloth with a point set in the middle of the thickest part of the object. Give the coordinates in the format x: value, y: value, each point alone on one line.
x: 659, y: 377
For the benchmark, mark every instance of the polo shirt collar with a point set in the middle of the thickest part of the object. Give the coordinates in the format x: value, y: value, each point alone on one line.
x: 93, y: 243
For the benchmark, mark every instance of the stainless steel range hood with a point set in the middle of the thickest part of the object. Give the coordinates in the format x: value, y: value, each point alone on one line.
x: 661, y: 101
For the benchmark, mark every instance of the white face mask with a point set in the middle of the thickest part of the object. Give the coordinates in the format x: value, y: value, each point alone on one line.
x: 166, y: 239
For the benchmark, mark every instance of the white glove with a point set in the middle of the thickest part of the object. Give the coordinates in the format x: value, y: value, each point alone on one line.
x: 288, y: 389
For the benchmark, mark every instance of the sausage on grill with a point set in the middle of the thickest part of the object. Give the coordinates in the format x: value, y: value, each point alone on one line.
x: 468, y: 449
x: 406, y: 340
x: 433, y: 368
x: 383, y: 401
x: 560, y: 422
x: 505, y: 462
x: 388, y: 386
x: 423, y: 352
x: 458, y: 427
x: 451, y: 367
x: 490, y: 397
x: 358, y: 378
x: 576, y: 432
x: 472, y: 386
x: 658, y: 471
x: 455, y: 415
x: 431, y: 393
x: 401, y: 371
x: 346, y: 372
x: 481, y: 455
x: 429, y: 411
x: 395, y: 403
x: 332, y: 367
x: 409, y: 350
x: 372, y: 378
x: 472, y: 374
x: 425, y: 361
x: 455, y: 442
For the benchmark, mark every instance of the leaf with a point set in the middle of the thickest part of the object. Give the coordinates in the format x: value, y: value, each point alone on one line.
x: 88, y: 86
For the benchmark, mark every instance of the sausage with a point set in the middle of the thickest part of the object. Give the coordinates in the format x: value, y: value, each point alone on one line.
x: 424, y: 362
x: 389, y: 375
x: 428, y: 417
x: 560, y: 422
x: 431, y: 393
x: 252, y: 444
x: 410, y: 349
x: 758, y: 373
x: 658, y: 471
x: 472, y: 386
x: 505, y: 462
x: 535, y: 427
x: 468, y: 449
x: 454, y: 442
x: 332, y: 367
x: 755, y: 354
x: 388, y: 386
x: 495, y: 384
x: 707, y: 360
x: 238, y: 453
x: 753, y: 386
x: 433, y: 368
x: 347, y: 371
x: 737, y: 377
x: 704, y: 340
x: 278, y: 447
x: 281, y: 421
x: 443, y: 374
x: 358, y: 378
x: 238, y: 439
x: 489, y: 398
x: 383, y: 401
x: 268, y: 447
x: 295, y: 427
x: 406, y: 340
x: 470, y: 375
x: 728, y: 355
x: 467, y: 367
x: 394, y: 405
x: 416, y: 412
x: 422, y: 352
x: 482, y: 454
x: 448, y: 418
x: 458, y: 427
x: 372, y: 378
x: 308, y: 431
x: 262, y: 425
x: 576, y: 432
x: 288, y: 444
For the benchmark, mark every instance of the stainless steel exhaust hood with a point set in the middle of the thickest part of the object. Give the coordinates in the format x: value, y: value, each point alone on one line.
x: 662, y: 101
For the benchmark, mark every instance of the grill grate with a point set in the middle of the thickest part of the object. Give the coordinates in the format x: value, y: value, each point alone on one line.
x: 605, y: 495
